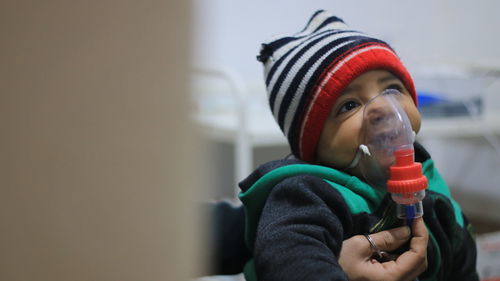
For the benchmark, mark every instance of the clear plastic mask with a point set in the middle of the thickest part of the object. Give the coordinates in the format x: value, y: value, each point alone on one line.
x: 385, y: 129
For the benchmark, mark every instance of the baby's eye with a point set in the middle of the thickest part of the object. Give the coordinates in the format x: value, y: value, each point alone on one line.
x: 395, y: 87
x: 348, y: 106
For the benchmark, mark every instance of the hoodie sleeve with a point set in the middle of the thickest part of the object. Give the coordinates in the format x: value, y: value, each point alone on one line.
x: 451, y: 252
x: 300, y: 232
x: 228, y: 252
x: 464, y: 267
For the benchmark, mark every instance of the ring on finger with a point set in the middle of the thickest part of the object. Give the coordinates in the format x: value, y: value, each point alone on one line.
x: 374, y: 247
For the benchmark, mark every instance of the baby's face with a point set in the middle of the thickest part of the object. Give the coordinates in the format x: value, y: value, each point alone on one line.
x: 340, y: 138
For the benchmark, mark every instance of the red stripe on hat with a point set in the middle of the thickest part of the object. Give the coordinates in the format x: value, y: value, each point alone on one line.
x: 336, y: 77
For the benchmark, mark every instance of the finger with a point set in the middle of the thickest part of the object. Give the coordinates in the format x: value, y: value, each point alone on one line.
x: 391, y: 239
x: 419, y: 229
x: 357, y: 246
x: 416, y: 256
x: 410, y: 264
x: 388, y: 271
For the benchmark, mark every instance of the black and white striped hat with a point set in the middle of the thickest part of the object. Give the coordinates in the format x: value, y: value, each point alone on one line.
x: 307, y: 71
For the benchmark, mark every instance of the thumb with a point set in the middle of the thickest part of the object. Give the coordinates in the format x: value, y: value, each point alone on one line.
x: 390, y: 240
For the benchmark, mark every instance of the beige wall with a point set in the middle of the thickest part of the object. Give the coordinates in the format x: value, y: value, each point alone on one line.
x: 94, y: 142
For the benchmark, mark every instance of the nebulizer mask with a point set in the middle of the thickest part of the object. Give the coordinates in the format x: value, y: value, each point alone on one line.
x: 386, y: 155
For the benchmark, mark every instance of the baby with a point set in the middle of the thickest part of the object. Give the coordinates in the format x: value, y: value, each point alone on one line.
x: 321, y: 82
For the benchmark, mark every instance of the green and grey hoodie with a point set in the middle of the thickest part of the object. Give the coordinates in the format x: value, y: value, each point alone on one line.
x: 298, y: 214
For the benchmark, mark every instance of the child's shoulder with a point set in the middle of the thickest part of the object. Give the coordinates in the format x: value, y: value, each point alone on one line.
x: 266, y: 168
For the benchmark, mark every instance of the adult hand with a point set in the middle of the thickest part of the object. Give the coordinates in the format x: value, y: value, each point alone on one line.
x: 356, y: 256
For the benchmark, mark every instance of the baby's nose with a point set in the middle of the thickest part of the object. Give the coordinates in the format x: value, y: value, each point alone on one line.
x: 378, y: 117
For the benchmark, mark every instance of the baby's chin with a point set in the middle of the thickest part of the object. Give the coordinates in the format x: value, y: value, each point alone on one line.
x: 356, y: 171
x: 335, y: 163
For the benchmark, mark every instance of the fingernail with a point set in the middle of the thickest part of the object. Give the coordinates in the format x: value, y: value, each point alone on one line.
x: 403, y: 232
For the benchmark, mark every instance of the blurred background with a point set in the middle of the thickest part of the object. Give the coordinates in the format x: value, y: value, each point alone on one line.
x: 96, y: 149
x: 118, y: 118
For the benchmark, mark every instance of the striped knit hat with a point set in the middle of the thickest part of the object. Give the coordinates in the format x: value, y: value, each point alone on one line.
x: 306, y: 72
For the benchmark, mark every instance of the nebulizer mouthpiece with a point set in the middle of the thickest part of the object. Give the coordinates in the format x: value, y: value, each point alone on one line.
x: 386, y: 154
x: 407, y: 185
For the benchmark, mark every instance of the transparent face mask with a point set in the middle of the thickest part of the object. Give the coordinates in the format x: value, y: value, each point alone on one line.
x: 385, y: 129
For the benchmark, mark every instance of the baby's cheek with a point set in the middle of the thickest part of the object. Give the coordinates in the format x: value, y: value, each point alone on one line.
x: 339, y: 142
x: 345, y: 150
x: 413, y: 114
x: 415, y: 120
